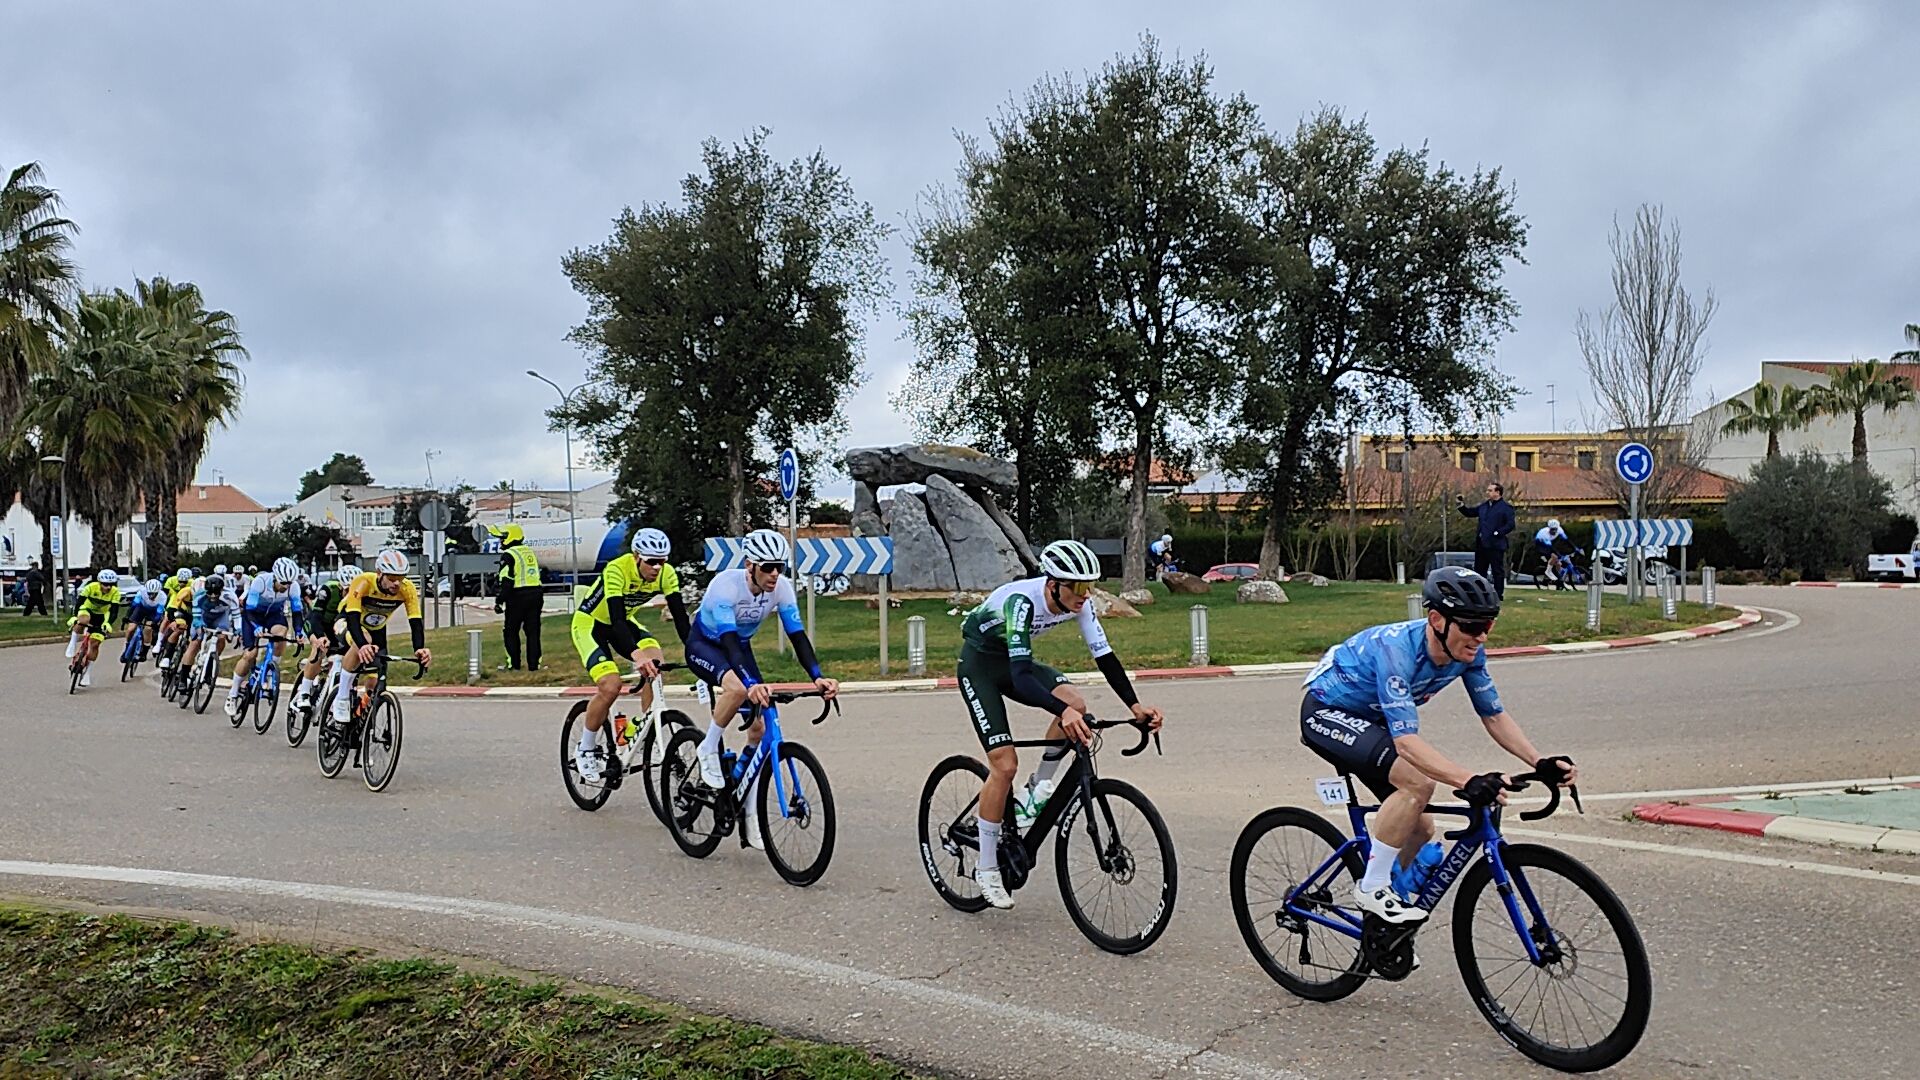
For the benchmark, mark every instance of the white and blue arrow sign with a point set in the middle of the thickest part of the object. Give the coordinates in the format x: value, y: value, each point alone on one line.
x: 830, y: 555
x: 1654, y: 532
x: 1634, y: 463
x: 789, y: 474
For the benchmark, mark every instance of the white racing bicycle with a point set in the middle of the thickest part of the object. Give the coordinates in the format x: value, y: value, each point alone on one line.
x: 627, y: 745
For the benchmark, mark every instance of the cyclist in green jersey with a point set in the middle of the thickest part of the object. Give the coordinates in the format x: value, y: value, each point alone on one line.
x: 996, y: 663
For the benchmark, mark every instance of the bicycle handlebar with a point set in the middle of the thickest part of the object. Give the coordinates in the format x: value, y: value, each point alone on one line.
x: 384, y: 659
x: 664, y: 666
x: 1519, y: 782
x: 1145, y: 732
x: 787, y: 697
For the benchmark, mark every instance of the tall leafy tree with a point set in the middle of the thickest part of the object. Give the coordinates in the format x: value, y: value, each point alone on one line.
x: 1773, y: 410
x: 1374, y: 295
x: 1114, y: 202
x: 37, y: 282
x: 199, y: 382
x: 1858, y: 389
x: 720, y: 330
x: 1808, y: 513
x: 341, y: 468
x: 1910, y: 356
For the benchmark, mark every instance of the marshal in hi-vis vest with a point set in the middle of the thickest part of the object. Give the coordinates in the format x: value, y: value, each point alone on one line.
x: 525, y: 571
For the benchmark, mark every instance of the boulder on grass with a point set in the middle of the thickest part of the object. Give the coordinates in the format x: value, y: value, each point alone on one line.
x: 1138, y: 597
x: 1314, y: 580
x: 1260, y: 592
x: 1188, y: 584
x: 1108, y: 606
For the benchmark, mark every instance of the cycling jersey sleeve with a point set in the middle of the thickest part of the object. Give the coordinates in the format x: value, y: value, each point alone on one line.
x: 1479, y: 684
x: 677, y: 606
x: 626, y: 636
x: 1028, y: 689
x: 1092, y: 633
x: 789, y: 605
x: 803, y: 652
x: 1394, y: 686
x: 736, y: 650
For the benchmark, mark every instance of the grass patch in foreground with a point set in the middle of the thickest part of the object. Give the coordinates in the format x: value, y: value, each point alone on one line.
x: 848, y: 633
x: 113, y: 996
x: 15, y: 627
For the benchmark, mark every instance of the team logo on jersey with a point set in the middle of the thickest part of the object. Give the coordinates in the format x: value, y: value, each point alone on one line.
x: 1397, y: 687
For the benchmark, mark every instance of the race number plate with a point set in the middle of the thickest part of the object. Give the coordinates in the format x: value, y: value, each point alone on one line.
x: 1332, y: 791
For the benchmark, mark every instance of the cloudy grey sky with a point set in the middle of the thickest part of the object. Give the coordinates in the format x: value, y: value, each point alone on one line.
x: 381, y: 192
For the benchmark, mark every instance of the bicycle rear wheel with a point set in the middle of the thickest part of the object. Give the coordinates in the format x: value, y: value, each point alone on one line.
x: 380, y: 742
x: 1278, y: 851
x: 653, y: 754
x: 130, y: 656
x: 300, y: 720
x: 332, y: 742
x: 798, y: 834
x: 693, y: 818
x: 950, y: 830
x: 266, y: 702
x: 585, y: 795
x: 209, y: 676
x: 1116, y: 867
x: 1585, y: 1005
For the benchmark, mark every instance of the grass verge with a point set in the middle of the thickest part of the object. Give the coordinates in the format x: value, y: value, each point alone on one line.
x: 84, y: 995
x: 847, y: 633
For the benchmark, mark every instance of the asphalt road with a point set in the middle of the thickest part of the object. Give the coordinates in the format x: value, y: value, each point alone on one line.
x: 1771, y: 959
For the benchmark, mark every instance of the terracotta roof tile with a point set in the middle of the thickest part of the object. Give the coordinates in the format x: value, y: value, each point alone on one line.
x: 216, y: 499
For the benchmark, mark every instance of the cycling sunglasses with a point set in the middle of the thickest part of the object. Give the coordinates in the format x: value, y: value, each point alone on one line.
x: 773, y: 567
x: 1474, y: 627
x: 1079, y: 588
x: 654, y: 562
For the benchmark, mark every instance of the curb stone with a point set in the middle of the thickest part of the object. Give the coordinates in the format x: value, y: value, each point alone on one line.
x: 1809, y: 830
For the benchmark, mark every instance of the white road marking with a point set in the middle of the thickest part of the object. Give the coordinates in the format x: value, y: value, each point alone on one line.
x: 1887, y: 876
x: 1808, y: 786
x: 1173, y: 1054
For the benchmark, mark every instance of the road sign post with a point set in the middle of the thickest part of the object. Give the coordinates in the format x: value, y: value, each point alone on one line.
x: 1634, y: 464
x: 790, y: 491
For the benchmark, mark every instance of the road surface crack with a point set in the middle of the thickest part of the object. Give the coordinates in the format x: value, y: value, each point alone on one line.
x: 978, y: 954
x: 1213, y: 1041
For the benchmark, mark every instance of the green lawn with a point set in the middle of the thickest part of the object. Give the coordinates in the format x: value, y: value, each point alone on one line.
x: 15, y: 628
x: 847, y: 636
x: 88, y: 996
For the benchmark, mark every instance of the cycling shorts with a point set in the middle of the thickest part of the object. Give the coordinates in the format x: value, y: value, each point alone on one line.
x: 593, y: 640
x: 179, y: 615
x: 97, y: 625
x: 708, y: 661
x: 251, y: 626
x: 986, y: 682
x: 1355, y: 743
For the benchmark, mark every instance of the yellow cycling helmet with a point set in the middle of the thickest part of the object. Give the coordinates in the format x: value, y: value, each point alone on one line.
x: 508, y: 534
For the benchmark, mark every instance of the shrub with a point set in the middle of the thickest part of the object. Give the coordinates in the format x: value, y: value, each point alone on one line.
x: 1809, y: 514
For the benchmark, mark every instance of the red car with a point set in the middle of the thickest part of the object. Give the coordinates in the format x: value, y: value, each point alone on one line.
x: 1231, y: 571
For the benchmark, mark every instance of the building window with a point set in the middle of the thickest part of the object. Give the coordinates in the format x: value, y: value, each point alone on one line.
x: 219, y: 531
x: 1396, y: 461
x: 1470, y: 461
x: 1586, y: 458
x: 1523, y: 460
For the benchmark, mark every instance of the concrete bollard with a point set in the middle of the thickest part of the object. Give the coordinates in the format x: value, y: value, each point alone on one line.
x: 1399, y: 573
x: 1669, y: 597
x: 473, y: 657
x: 1709, y: 587
x: 916, y: 645
x: 1593, y: 605
x: 1197, y: 635
x: 1414, y: 610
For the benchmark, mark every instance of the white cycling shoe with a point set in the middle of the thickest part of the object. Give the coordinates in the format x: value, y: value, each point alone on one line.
x: 992, y: 889
x: 754, y: 839
x: 232, y: 706
x: 587, y: 764
x: 710, y: 773
x: 1386, y: 905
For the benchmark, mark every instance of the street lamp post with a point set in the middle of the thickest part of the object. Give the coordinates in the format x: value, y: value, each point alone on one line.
x: 59, y: 591
x: 573, y: 536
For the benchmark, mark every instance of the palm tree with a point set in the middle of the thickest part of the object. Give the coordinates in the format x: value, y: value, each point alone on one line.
x: 1774, y: 409
x: 197, y: 348
x: 104, y: 407
x: 37, y: 282
x: 1910, y: 356
x: 1853, y: 390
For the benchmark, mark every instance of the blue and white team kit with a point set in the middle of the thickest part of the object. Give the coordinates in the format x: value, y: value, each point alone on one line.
x: 730, y: 606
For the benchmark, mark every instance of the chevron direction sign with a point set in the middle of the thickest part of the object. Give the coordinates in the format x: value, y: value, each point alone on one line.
x: 1654, y: 532
x: 830, y: 555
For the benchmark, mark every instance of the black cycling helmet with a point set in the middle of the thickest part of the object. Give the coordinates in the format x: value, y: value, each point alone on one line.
x: 1460, y: 593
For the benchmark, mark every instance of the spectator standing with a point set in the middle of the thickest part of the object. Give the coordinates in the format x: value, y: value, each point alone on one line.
x: 1496, y: 521
x: 36, y: 582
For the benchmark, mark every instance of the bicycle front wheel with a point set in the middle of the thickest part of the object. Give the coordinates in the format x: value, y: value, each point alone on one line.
x: 1115, y: 863
x: 1278, y: 854
x: 333, y: 737
x: 799, y: 831
x: 209, y: 680
x: 653, y: 754
x: 950, y: 830
x: 585, y: 794
x: 693, y: 817
x: 1585, y: 1005
x: 266, y: 703
x: 380, y: 742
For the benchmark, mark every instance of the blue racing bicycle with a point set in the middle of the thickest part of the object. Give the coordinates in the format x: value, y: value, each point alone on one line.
x: 260, y: 694
x: 783, y: 781
x: 1549, y: 955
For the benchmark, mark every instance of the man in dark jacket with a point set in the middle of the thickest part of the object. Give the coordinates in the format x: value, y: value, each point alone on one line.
x: 1495, y: 516
x: 519, y: 595
x: 36, y: 583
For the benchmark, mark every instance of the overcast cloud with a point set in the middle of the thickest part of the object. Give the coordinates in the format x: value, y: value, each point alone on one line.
x: 381, y: 193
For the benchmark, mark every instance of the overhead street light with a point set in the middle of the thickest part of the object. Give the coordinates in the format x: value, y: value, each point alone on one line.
x: 573, y: 536
x: 65, y: 558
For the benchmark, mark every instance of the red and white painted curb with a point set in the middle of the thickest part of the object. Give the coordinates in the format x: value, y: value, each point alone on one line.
x: 1811, y: 830
x: 1747, y: 617
x: 1856, y: 584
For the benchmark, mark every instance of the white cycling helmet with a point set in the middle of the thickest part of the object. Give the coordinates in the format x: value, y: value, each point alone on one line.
x: 391, y: 561
x: 185, y: 574
x: 285, y: 571
x: 107, y: 577
x: 348, y: 573
x: 1166, y: 538
x: 651, y: 544
x: 1070, y: 560
x: 153, y: 587
x: 1554, y: 524
x: 220, y: 569
x: 765, y: 545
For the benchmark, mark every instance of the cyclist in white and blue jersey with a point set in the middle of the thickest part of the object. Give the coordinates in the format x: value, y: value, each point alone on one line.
x: 720, y: 650
x: 1361, y: 712
x: 270, y: 597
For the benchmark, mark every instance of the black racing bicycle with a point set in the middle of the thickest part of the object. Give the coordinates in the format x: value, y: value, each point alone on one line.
x: 1119, y: 882
x: 372, y: 730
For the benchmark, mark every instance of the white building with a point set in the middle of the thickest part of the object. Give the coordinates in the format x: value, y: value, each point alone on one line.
x: 1893, y: 438
x: 209, y: 514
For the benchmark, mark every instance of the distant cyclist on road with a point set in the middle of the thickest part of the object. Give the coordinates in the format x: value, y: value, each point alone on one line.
x: 996, y: 663
x: 720, y: 649
x: 1361, y: 712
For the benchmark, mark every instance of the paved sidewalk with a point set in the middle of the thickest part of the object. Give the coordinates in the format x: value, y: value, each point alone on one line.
x: 1871, y: 817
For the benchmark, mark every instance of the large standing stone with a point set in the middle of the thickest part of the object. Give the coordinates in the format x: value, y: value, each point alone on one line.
x: 909, y: 464
x: 1021, y: 548
x: 920, y: 559
x: 866, y: 511
x: 1260, y: 592
x: 982, y: 555
x: 1189, y: 584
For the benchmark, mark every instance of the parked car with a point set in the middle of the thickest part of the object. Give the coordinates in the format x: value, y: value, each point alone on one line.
x: 1231, y: 571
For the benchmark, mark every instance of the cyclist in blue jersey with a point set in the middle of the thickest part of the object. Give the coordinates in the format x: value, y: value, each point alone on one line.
x: 146, y: 611
x: 1361, y: 712
x: 269, y: 598
x: 720, y: 653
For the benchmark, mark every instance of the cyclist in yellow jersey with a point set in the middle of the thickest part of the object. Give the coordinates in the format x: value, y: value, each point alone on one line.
x: 179, y: 610
x: 94, y: 620
x: 369, y: 605
x: 607, y: 627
